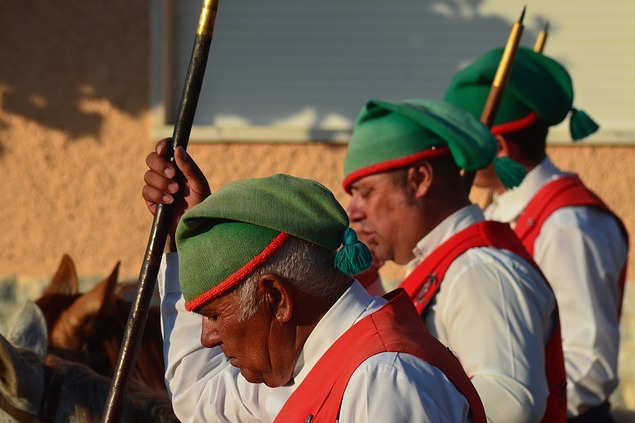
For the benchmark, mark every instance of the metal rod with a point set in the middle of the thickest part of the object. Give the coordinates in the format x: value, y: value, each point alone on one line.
x: 160, y: 225
x: 498, y: 85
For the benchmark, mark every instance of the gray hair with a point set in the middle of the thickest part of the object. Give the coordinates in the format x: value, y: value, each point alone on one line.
x: 308, y: 267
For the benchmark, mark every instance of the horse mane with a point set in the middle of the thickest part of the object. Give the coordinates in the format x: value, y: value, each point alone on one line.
x: 89, y: 392
x: 149, y: 366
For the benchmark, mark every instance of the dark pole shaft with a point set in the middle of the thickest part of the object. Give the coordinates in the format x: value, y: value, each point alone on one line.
x: 160, y: 225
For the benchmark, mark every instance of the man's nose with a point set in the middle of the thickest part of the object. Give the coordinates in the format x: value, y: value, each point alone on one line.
x: 354, y: 211
x: 209, y: 334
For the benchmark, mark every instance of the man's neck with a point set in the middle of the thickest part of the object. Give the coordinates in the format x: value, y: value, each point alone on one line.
x: 437, y: 211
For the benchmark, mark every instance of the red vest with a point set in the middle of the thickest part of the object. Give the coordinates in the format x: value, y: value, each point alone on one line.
x: 395, y: 327
x: 423, y: 284
x: 568, y: 191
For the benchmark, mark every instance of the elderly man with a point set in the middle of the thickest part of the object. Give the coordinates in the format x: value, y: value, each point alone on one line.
x: 473, y: 282
x: 579, y: 244
x: 286, y: 334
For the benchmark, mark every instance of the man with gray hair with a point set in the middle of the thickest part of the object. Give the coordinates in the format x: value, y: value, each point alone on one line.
x: 286, y: 334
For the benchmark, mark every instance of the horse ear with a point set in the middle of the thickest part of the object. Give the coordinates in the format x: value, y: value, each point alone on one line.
x: 108, y: 292
x: 65, y: 280
x: 29, y: 330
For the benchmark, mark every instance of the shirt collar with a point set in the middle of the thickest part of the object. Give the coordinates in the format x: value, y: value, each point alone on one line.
x: 507, y: 206
x: 352, y: 306
x: 457, y: 221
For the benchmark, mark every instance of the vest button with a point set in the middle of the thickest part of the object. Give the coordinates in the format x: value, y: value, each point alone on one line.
x: 530, y: 222
x: 308, y: 418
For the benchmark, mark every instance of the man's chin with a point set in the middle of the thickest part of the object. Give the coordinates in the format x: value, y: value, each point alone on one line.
x: 380, y: 255
x: 271, y: 382
x: 252, y: 377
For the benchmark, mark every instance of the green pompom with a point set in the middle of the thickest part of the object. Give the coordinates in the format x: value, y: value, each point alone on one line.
x: 510, y: 173
x: 581, y: 125
x: 354, y: 256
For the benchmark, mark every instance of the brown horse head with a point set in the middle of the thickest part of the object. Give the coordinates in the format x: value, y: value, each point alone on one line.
x: 89, y: 327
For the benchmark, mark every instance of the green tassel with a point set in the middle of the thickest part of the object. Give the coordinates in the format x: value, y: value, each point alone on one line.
x: 354, y: 256
x: 581, y: 125
x: 510, y: 173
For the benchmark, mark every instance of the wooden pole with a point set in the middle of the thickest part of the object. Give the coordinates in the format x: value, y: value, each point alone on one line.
x: 542, y: 38
x: 160, y: 225
x: 498, y: 85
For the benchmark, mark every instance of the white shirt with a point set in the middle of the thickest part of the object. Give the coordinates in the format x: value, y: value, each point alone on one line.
x: 496, y: 313
x: 581, y: 252
x: 388, y: 387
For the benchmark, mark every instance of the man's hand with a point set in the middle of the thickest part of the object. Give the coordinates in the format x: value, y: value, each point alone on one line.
x: 165, y: 185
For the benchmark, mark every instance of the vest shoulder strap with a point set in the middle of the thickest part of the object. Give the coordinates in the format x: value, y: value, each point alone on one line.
x: 568, y: 191
x: 424, y: 282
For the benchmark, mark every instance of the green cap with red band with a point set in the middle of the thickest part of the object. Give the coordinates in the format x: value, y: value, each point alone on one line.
x: 538, y: 87
x: 235, y: 230
x: 390, y: 135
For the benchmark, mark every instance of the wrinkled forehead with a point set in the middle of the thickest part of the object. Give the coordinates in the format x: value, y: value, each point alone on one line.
x: 229, y: 300
x: 377, y: 180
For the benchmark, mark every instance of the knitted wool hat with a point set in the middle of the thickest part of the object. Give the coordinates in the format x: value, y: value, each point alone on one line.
x: 538, y: 87
x: 226, y: 237
x: 390, y: 135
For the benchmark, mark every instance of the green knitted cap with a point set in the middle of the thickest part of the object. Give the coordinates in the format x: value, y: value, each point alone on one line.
x: 223, y: 239
x: 538, y: 87
x: 390, y: 135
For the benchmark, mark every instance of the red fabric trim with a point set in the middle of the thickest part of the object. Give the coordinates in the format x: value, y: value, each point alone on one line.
x: 392, y: 164
x: 516, y: 125
x: 567, y: 191
x: 238, y: 275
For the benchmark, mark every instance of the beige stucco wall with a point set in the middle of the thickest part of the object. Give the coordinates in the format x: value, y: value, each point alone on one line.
x: 74, y: 132
x: 75, y: 129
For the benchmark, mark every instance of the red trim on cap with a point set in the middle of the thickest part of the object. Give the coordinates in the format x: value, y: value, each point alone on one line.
x: 516, y: 125
x: 238, y: 275
x: 392, y: 164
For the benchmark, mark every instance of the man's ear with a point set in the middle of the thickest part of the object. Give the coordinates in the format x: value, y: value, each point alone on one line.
x: 507, y: 148
x: 277, y: 296
x: 503, y: 146
x: 420, y: 177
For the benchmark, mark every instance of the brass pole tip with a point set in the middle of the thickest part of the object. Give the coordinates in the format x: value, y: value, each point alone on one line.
x: 207, y: 19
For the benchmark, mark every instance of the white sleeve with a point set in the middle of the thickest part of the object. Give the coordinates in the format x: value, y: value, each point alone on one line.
x: 581, y: 252
x: 202, y: 384
x: 393, y: 387
x: 482, y: 313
